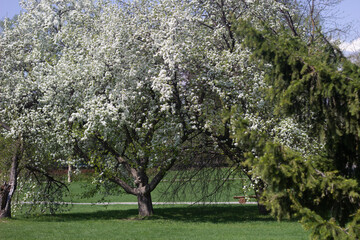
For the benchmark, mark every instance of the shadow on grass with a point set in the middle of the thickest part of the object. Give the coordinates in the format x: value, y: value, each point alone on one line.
x: 213, y: 214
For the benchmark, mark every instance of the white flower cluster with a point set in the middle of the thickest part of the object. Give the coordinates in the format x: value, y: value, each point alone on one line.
x: 293, y: 135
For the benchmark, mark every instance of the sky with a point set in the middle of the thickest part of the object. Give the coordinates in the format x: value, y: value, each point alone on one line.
x: 347, y: 14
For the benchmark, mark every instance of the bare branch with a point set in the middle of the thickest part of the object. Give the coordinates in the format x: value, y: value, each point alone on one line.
x: 206, y: 25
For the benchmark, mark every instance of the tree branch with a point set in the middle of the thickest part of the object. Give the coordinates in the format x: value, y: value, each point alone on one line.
x: 113, y: 179
x: 127, y: 166
x: 7, y: 127
x: 205, y: 25
x: 106, y: 145
x: 45, y: 174
x: 161, y: 174
x: 123, y: 184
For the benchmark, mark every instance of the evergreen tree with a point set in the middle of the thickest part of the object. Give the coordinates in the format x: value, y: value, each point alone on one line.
x: 313, y: 83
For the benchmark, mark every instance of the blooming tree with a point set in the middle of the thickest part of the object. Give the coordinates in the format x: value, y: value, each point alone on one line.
x: 124, y: 85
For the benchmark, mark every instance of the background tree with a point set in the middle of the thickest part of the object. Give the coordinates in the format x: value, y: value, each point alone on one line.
x: 27, y: 165
x: 26, y: 178
x: 11, y: 152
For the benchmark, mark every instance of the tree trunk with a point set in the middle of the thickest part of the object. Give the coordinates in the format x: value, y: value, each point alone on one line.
x: 69, y: 173
x: 4, y: 193
x: 145, y: 204
x: 8, y: 190
x: 261, y: 207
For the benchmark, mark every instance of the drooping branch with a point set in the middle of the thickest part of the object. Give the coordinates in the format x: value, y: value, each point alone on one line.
x: 50, y: 179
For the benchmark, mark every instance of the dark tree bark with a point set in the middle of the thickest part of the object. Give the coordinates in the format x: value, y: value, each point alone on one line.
x: 8, y: 189
x: 261, y: 207
x: 4, y: 193
x: 145, y: 204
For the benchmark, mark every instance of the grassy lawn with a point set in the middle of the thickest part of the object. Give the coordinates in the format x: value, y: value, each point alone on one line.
x: 169, y: 222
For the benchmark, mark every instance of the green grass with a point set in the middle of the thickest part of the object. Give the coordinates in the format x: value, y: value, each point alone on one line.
x: 169, y: 222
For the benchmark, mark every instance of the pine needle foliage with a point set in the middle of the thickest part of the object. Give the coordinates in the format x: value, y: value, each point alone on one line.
x: 312, y: 82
